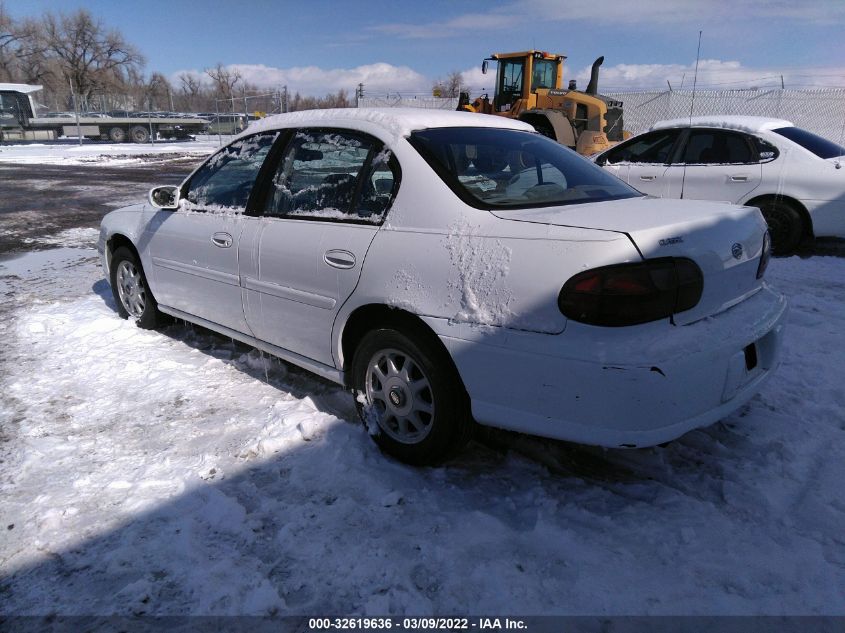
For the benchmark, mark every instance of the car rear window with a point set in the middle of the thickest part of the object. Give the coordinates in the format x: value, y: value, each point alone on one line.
x: 498, y: 168
x: 820, y: 146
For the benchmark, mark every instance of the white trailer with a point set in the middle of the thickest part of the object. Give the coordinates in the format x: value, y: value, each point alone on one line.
x: 18, y: 121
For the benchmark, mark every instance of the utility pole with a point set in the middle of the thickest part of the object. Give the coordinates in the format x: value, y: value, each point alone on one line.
x: 359, y: 94
x: 75, y: 111
x: 284, y: 103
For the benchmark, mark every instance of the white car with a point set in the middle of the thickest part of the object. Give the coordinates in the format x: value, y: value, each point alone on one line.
x: 792, y: 175
x: 454, y: 268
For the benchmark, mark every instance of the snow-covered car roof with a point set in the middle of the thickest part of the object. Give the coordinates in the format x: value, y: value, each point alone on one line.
x: 397, y: 122
x: 730, y: 122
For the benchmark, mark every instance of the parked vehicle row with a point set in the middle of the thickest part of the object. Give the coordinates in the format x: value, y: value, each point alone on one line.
x: 452, y: 269
x: 794, y: 176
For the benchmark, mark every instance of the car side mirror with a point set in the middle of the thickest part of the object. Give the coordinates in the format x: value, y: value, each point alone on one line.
x: 165, y: 197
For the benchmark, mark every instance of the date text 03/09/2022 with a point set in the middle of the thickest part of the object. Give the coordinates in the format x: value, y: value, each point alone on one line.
x: 416, y: 624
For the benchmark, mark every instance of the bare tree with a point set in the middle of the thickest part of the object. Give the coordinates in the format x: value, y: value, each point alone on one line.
x: 158, y: 91
x: 190, y: 91
x: 224, y: 79
x: 16, y: 44
x: 452, y: 86
x: 94, y: 58
x: 7, y: 42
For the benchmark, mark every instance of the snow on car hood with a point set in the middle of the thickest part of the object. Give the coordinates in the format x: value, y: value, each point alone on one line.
x: 725, y: 240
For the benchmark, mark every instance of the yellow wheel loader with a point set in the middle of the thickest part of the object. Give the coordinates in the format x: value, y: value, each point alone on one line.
x: 529, y: 88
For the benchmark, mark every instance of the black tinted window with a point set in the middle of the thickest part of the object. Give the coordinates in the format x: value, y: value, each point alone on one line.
x: 226, y: 180
x: 821, y: 147
x: 653, y: 147
x: 707, y: 147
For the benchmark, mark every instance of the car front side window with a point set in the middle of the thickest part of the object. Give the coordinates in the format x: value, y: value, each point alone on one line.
x: 333, y: 175
x: 653, y: 147
x: 225, y: 182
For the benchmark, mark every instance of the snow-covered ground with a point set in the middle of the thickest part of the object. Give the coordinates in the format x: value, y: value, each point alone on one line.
x: 175, y: 472
x: 68, y: 152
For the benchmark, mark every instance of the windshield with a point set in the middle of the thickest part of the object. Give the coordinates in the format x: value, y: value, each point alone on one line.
x: 821, y: 147
x: 495, y: 168
x: 544, y: 75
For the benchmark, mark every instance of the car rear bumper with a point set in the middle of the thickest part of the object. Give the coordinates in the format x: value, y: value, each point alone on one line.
x: 649, y: 385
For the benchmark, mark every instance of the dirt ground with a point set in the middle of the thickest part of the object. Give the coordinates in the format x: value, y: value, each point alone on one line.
x: 39, y: 200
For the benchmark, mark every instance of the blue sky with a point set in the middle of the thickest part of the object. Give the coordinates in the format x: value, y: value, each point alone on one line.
x: 319, y: 46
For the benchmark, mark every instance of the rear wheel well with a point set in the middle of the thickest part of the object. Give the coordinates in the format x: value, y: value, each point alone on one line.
x: 378, y: 316
x: 806, y: 221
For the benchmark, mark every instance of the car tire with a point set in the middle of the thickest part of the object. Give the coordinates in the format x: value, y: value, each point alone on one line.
x: 410, y: 397
x: 117, y: 135
x: 785, y: 225
x: 139, y: 134
x: 131, y: 291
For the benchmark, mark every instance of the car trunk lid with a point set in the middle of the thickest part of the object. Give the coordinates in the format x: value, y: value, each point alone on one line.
x: 724, y: 240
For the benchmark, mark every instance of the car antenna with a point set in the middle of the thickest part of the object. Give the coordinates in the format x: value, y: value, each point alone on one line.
x: 691, y: 106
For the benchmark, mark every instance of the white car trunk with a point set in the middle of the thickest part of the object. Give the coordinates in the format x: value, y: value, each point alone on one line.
x: 725, y: 240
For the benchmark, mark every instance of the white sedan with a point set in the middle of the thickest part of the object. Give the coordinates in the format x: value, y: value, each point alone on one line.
x: 454, y: 268
x: 794, y: 176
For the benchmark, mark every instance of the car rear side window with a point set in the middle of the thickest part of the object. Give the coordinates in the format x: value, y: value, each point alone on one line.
x: 821, y: 147
x: 225, y: 182
x: 765, y: 150
x: 709, y: 147
x: 333, y: 175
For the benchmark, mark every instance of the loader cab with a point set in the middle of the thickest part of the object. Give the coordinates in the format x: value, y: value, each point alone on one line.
x: 520, y: 75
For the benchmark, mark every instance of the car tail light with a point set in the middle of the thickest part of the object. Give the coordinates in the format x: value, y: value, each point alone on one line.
x: 628, y: 294
x: 766, y: 256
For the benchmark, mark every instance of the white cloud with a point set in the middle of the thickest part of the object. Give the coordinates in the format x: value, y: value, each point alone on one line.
x: 473, y: 22
x: 712, y: 74
x: 316, y: 81
x: 655, y: 12
x: 380, y: 78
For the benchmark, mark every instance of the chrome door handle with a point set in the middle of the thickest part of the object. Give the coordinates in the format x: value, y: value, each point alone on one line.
x: 223, y: 240
x: 739, y: 178
x: 337, y: 258
x: 647, y: 177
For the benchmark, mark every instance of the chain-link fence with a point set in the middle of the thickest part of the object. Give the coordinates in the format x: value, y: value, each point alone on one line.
x: 821, y: 110
x: 398, y: 101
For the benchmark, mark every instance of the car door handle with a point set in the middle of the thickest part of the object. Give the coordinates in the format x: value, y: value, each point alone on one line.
x: 739, y: 178
x: 338, y: 258
x: 223, y: 240
x: 648, y: 177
